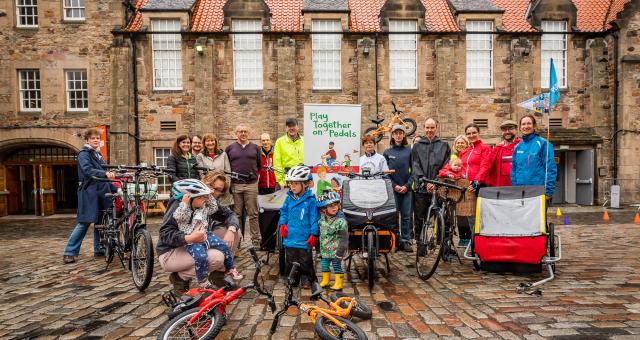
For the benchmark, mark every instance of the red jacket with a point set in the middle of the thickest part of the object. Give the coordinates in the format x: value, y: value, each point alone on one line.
x: 496, y: 167
x: 446, y: 171
x: 266, y: 179
x: 472, y: 158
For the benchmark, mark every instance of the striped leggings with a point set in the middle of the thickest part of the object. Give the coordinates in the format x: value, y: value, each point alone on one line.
x: 337, y: 265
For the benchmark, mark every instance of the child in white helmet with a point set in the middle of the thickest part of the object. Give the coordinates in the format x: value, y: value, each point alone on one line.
x: 193, y: 215
x: 299, y: 222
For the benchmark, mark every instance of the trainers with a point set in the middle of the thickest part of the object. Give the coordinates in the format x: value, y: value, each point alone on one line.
x: 463, y: 242
x: 406, y: 247
x: 66, y: 259
x: 234, y: 274
x: 206, y: 284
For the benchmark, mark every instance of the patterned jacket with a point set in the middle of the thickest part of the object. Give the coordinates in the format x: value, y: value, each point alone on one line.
x: 334, y: 236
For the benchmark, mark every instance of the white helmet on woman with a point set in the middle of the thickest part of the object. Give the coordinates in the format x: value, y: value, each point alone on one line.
x: 193, y: 187
x: 298, y: 173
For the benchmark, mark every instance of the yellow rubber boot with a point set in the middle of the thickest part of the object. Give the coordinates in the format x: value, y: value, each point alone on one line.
x: 326, y: 278
x: 338, y: 284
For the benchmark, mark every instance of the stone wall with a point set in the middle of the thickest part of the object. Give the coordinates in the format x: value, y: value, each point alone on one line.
x: 53, y: 47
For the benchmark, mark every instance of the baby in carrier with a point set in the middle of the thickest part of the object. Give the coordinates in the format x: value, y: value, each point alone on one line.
x: 193, y: 214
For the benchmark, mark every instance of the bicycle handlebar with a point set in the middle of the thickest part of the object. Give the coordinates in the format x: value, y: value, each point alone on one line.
x: 395, y: 110
x: 355, y: 174
x: 232, y: 174
x: 423, y: 180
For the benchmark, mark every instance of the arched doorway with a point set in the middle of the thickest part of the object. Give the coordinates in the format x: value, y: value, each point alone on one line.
x: 38, y: 178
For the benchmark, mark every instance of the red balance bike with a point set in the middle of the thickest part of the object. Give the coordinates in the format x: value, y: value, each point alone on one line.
x: 200, y: 313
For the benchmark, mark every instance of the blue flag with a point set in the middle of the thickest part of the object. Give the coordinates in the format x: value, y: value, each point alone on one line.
x: 554, y: 92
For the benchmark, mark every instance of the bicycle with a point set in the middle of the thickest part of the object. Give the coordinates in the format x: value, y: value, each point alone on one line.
x: 232, y: 174
x: 201, y: 313
x: 329, y: 323
x: 125, y: 233
x: 378, y: 131
x: 435, y: 239
x: 370, y: 218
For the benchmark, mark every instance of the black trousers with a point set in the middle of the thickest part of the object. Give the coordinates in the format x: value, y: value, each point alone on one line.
x: 421, y: 203
x: 305, y: 258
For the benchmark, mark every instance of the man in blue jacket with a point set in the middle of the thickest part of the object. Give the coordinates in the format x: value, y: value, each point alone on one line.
x: 91, y: 196
x: 399, y: 159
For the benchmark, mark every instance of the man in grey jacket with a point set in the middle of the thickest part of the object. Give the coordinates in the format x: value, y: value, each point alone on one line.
x: 429, y: 155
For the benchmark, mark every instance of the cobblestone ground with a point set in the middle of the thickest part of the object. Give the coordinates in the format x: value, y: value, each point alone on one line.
x: 596, y: 293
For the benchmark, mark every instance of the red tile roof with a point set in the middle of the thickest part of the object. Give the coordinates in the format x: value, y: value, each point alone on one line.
x: 438, y: 16
x: 365, y: 15
x: 513, y: 19
x: 591, y: 14
x: 136, y: 20
x: 286, y: 15
x: 617, y: 6
x: 208, y: 16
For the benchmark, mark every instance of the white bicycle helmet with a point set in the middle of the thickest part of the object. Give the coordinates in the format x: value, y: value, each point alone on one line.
x: 193, y: 187
x: 298, y: 173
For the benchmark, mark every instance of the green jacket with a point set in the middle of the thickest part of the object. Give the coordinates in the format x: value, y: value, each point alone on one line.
x: 287, y: 154
x: 334, y: 236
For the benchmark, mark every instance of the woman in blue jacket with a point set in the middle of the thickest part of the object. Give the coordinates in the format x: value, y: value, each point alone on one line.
x: 533, y: 159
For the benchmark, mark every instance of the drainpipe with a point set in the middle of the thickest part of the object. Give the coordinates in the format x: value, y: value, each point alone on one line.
x: 375, y: 49
x: 616, y: 89
x: 136, y: 123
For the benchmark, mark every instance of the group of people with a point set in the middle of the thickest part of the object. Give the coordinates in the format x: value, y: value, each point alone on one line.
x: 200, y: 232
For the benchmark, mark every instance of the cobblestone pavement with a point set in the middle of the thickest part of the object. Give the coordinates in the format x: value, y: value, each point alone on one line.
x: 596, y: 293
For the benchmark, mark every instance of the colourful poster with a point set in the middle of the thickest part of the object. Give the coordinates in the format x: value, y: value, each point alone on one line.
x: 331, y: 142
x: 103, y: 142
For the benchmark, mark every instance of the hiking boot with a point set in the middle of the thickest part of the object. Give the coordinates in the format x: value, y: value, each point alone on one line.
x: 66, y: 259
x: 406, y: 247
x: 179, y: 285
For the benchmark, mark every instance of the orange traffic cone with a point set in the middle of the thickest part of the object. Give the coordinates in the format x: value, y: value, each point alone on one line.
x: 605, y: 216
x: 636, y: 219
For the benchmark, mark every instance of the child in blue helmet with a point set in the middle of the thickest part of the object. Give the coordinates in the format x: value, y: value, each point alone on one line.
x: 193, y: 215
x: 299, y: 223
x: 334, y: 238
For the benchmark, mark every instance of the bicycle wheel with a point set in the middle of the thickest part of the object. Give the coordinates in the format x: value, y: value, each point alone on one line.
x: 371, y: 130
x: 105, y: 239
x: 371, y: 258
x: 551, y: 244
x: 411, y: 125
x: 360, y: 310
x: 142, y: 259
x: 207, y: 326
x: 429, y: 248
x: 327, y: 330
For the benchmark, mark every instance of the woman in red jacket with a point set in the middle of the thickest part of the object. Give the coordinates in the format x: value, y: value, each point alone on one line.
x: 471, y: 161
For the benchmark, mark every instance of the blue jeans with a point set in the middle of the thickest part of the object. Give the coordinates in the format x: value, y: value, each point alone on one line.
x: 199, y: 253
x: 403, y: 204
x: 76, y: 237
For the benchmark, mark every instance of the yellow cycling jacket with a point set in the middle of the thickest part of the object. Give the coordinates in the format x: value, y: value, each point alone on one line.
x: 287, y: 154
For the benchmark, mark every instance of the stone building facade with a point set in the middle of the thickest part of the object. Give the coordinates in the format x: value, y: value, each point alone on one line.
x: 207, y: 100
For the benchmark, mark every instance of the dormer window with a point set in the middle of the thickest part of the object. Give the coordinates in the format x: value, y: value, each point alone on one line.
x: 326, y: 55
x: 403, y: 55
x: 247, y: 55
x: 479, y: 55
x: 554, y: 46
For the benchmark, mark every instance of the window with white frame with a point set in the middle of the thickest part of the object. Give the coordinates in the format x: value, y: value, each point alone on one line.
x: 554, y: 46
x: 167, y: 55
x: 479, y: 55
x: 77, y: 90
x: 29, y: 84
x: 326, y: 54
x: 27, y: 13
x: 73, y: 10
x: 247, y: 55
x: 403, y: 55
x: 164, y: 183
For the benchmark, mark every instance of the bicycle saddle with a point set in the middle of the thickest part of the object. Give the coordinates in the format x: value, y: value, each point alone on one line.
x: 377, y: 121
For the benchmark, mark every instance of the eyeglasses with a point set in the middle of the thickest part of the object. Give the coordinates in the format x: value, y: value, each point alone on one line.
x: 242, y: 131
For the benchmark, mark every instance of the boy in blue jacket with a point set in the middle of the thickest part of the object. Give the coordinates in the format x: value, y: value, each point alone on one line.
x: 299, y: 223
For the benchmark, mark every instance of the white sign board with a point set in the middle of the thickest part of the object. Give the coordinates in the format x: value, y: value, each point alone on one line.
x: 331, y: 140
x: 615, y: 196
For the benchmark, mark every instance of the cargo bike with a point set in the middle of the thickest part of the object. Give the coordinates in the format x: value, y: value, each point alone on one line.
x: 370, y: 209
x: 511, y: 234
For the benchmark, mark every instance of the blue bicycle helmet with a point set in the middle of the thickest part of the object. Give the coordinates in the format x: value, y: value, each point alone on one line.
x: 327, y: 198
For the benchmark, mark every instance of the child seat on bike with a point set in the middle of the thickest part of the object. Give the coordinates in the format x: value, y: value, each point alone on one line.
x: 511, y: 231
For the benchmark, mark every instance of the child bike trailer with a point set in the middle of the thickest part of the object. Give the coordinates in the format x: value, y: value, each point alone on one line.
x: 511, y: 234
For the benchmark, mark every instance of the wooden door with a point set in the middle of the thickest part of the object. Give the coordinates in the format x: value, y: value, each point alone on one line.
x: 13, y: 186
x: 47, y: 190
